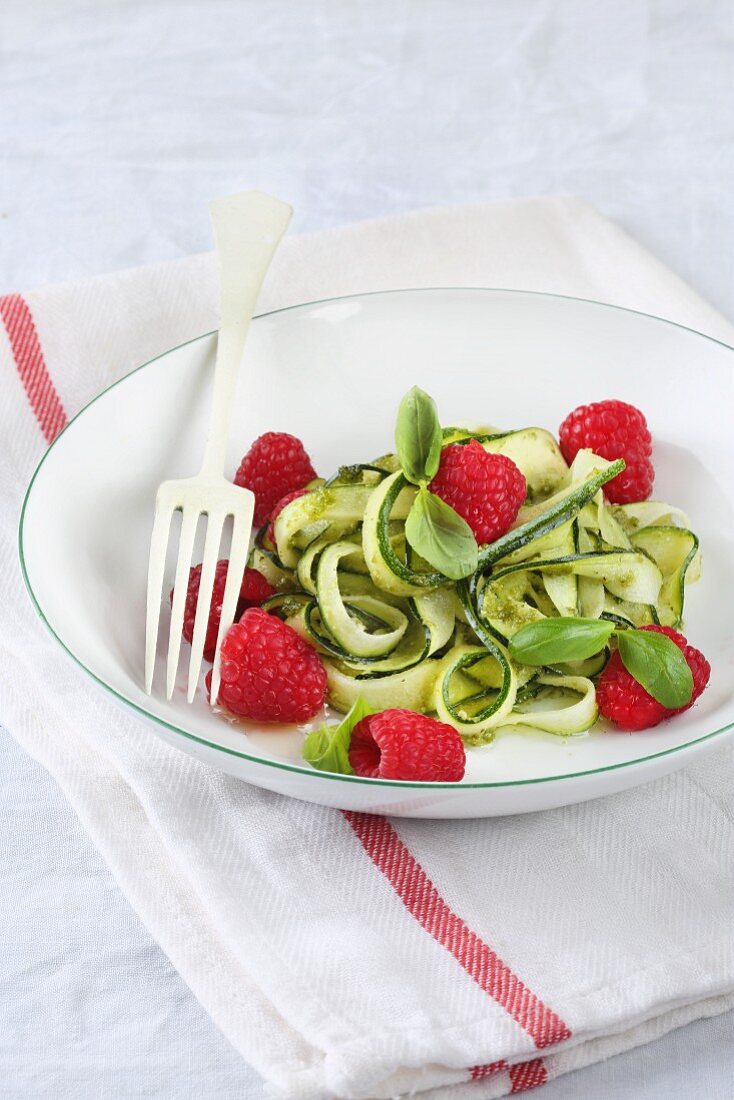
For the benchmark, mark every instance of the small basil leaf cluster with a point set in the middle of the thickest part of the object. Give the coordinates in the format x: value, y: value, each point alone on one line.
x: 327, y: 748
x: 652, y: 659
x: 434, y: 530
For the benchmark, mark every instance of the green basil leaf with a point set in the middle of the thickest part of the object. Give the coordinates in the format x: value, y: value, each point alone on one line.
x: 327, y: 748
x: 656, y: 662
x: 555, y: 641
x: 418, y: 436
x: 441, y: 536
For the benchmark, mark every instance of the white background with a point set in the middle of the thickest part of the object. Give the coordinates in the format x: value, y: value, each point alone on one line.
x: 117, y: 122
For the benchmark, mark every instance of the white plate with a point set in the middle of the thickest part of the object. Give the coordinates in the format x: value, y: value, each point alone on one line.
x: 332, y: 373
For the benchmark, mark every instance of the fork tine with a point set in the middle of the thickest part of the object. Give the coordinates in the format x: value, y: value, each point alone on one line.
x: 156, y: 567
x: 238, y: 555
x: 215, y: 522
x: 180, y: 587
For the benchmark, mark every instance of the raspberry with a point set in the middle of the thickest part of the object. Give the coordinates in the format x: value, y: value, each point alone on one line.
x: 279, y: 508
x: 626, y: 703
x: 215, y: 609
x: 485, y: 489
x: 613, y: 429
x: 254, y: 589
x: 275, y: 464
x: 269, y: 672
x: 400, y: 744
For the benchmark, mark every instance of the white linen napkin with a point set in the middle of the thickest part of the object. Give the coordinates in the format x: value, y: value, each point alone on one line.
x: 342, y: 954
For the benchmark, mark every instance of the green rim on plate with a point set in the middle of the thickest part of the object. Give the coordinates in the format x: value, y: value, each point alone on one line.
x: 303, y: 770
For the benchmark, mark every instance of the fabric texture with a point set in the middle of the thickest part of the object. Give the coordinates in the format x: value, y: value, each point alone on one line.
x: 344, y: 954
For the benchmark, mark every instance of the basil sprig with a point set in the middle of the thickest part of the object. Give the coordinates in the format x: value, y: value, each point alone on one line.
x: 656, y: 662
x: 651, y: 658
x: 434, y: 530
x: 327, y: 748
x: 556, y: 641
x: 418, y: 436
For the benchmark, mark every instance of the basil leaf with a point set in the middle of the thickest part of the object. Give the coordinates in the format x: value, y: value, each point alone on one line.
x: 656, y: 662
x: 441, y: 536
x: 327, y: 748
x: 418, y: 436
x: 555, y: 641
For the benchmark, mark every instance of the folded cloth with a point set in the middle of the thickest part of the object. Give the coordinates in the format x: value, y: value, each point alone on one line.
x: 344, y: 954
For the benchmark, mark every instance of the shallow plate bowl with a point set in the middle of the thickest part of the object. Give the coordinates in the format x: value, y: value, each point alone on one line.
x: 333, y: 373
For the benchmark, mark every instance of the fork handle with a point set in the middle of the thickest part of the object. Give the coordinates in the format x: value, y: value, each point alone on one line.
x: 247, y: 230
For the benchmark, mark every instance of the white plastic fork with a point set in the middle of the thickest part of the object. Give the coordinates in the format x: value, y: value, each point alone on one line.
x: 247, y: 230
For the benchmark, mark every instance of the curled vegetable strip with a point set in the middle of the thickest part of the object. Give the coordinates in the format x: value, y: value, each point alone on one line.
x: 411, y: 689
x: 479, y: 727
x: 306, y: 518
x: 566, y: 721
x: 343, y: 625
x: 308, y: 562
x: 676, y: 553
x: 431, y: 621
x: 389, y: 501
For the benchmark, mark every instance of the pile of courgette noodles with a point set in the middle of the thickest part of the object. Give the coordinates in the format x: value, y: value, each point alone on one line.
x: 398, y: 634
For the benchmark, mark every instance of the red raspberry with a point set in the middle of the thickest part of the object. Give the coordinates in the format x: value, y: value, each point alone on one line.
x: 279, y: 508
x: 254, y: 589
x: 275, y: 464
x: 486, y: 489
x: 400, y: 744
x: 215, y: 609
x: 626, y: 703
x: 613, y: 429
x: 269, y: 672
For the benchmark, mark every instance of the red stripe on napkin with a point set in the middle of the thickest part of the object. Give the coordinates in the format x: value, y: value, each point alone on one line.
x: 528, y: 1075
x: 26, y: 349
x: 479, y: 1073
x: 421, y: 898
